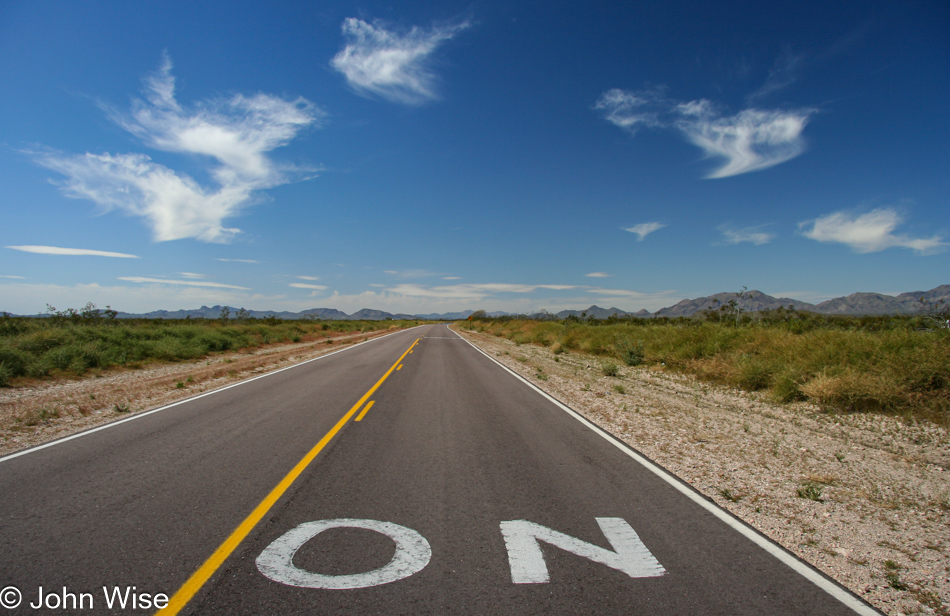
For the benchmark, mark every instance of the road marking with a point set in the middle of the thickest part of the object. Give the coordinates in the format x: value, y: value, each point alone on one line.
x: 365, y: 408
x: 191, y: 399
x: 630, y: 556
x: 204, y: 573
x: 399, y: 367
x: 812, y: 575
x: 276, y: 562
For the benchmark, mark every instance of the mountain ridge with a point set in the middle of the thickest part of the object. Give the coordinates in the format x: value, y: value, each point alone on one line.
x: 856, y: 304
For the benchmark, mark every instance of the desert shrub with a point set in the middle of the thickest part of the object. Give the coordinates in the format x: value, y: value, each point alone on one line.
x: 852, y: 391
x: 843, y: 363
x: 15, y: 361
x: 39, y: 342
x: 753, y: 374
x: 631, y: 352
x: 785, y: 388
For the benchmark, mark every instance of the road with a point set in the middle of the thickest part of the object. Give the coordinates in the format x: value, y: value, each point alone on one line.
x: 410, y: 474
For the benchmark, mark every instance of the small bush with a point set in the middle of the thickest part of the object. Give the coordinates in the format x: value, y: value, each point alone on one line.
x: 786, y: 389
x: 754, y: 375
x: 811, y: 491
x: 15, y: 361
x: 630, y: 352
x: 727, y: 494
x: 611, y: 369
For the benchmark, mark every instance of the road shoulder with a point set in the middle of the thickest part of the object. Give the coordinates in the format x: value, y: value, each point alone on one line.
x: 52, y: 409
x: 863, y: 498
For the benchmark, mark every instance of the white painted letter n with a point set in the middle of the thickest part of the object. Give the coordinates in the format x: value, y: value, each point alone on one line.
x: 527, y: 560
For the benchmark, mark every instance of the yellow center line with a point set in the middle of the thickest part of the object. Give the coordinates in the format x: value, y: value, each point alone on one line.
x: 204, y: 573
x: 366, y: 408
x: 399, y: 367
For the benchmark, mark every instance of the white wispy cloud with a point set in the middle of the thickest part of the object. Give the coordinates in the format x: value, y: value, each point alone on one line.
x: 474, y: 291
x: 413, y: 273
x: 514, y: 298
x: 14, y: 277
x: 631, y: 110
x: 391, y: 65
x: 783, y: 73
x: 238, y: 260
x: 751, y: 140
x: 870, y: 232
x: 192, y: 275
x: 303, y: 285
x: 184, y: 283
x: 598, y: 274
x: 74, y: 252
x: 32, y: 298
x: 25, y: 298
x: 308, y: 277
x: 752, y: 235
x: 644, y: 229
x: 451, y: 277
x: 236, y: 133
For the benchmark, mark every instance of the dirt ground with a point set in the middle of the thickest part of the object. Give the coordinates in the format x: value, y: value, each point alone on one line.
x: 864, y: 498
x: 43, y: 410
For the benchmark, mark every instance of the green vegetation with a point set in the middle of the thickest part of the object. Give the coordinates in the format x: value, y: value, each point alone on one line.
x: 74, y: 341
x: 811, y: 490
x: 892, y: 573
x: 891, y: 364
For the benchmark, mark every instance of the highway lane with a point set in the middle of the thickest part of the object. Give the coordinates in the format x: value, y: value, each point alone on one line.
x: 454, y: 450
x: 144, y: 503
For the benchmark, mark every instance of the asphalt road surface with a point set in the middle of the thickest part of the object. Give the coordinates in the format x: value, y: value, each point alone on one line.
x: 410, y: 474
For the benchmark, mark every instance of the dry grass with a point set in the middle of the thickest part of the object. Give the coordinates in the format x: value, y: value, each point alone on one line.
x: 894, y: 369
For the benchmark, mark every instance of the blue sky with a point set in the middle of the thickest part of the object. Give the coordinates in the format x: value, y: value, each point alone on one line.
x: 440, y: 156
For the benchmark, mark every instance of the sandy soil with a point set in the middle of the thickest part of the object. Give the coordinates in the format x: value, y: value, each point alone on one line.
x: 44, y: 410
x: 863, y: 498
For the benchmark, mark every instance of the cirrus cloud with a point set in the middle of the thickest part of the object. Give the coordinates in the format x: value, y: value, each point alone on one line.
x: 236, y: 133
x: 184, y: 283
x: 74, y: 252
x: 303, y: 285
x: 751, y: 140
x: 644, y: 229
x: 393, y: 66
x: 752, y: 235
x: 870, y: 232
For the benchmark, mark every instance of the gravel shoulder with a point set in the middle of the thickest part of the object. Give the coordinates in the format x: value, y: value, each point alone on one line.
x: 863, y: 498
x: 46, y: 410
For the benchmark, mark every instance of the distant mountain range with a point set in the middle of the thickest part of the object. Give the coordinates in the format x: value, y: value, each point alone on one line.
x: 751, y: 301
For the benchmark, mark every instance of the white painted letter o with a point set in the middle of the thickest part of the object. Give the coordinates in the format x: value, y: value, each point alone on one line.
x: 276, y: 561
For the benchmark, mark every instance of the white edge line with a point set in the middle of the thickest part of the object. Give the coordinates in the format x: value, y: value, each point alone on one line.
x: 832, y: 588
x: 112, y: 424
